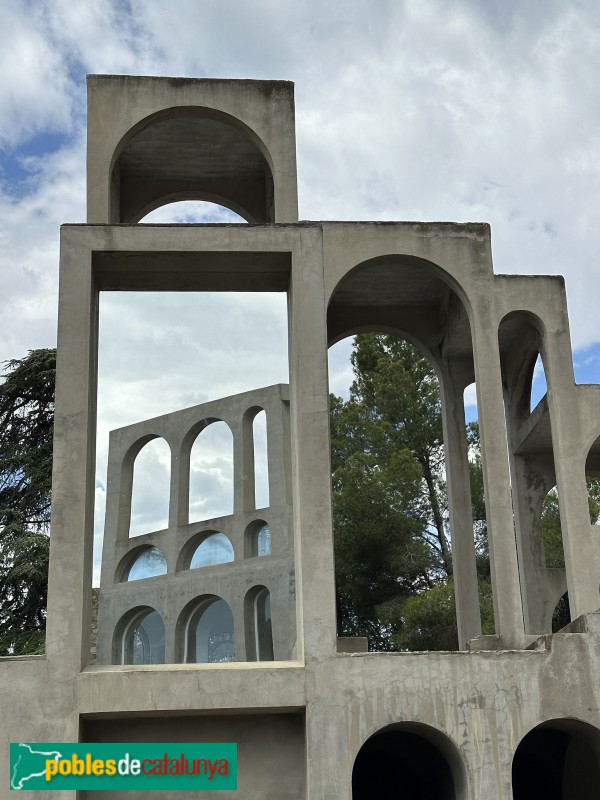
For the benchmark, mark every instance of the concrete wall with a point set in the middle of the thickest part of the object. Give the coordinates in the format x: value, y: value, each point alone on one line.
x: 430, y: 282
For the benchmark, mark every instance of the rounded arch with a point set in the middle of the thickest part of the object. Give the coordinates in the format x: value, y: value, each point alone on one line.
x: 258, y: 625
x: 561, y: 615
x: 405, y: 295
x: 420, y: 758
x: 558, y: 759
x: 392, y: 275
x: 182, y: 195
x: 208, y: 448
x: 521, y: 341
x: 191, y: 152
x: 139, y: 637
x: 145, y: 561
x: 149, y: 490
x: 257, y: 539
x: 205, y: 631
x: 185, y: 211
x: 205, y: 549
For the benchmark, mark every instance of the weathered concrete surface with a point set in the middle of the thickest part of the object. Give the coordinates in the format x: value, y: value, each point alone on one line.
x: 155, y: 140
x: 431, y: 283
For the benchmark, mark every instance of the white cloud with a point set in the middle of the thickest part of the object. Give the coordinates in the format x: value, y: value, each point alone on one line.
x: 422, y: 109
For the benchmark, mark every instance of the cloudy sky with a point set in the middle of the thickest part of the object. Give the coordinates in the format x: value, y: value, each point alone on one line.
x: 462, y: 110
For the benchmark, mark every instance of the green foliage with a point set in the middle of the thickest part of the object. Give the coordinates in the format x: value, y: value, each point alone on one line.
x: 26, y: 424
x: 389, y: 498
x: 551, y: 528
x: 392, y: 549
x: 428, y: 619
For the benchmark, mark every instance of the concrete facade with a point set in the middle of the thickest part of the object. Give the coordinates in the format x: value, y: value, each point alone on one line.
x: 175, y: 595
x: 476, y: 723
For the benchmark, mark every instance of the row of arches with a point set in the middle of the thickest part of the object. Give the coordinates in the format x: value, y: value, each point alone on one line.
x: 206, y: 549
x: 557, y: 760
x: 421, y: 303
x: 211, y: 476
x: 204, y: 632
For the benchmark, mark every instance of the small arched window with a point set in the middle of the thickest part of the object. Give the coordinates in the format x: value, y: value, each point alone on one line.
x: 149, y: 563
x: 144, y: 639
x: 150, y: 488
x: 258, y: 539
x: 209, y: 635
x: 215, y: 549
x: 263, y: 541
x: 263, y: 634
x: 211, y: 473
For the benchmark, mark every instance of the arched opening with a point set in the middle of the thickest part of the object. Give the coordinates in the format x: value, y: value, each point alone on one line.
x: 259, y: 633
x: 257, y: 539
x: 190, y: 212
x: 150, y: 492
x: 148, y: 564
x: 140, y: 638
x: 211, y: 473
x: 261, y: 460
x: 214, y: 549
x: 207, y: 628
x: 536, y: 508
x: 558, y: 760
x: 191, y: 153
x: 561, y: 615
x: 391, y: 531
x: 539, y: 385
x: 554, y: 554
x: 388, y: 461
x: 408, y: 760
x: 592, y: 474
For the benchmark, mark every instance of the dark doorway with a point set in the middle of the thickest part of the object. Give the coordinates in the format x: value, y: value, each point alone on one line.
x: 559, y: 760
x: 401, y: 764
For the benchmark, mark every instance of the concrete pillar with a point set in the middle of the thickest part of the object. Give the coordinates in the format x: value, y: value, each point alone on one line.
x: 278, y: 451
x: 315, y: 572
x: 532, y: 478
x: 179, y: 488
x: 459, y: 503
x: 71, y: 543
x: 580, y: 548
x: 508, y: 610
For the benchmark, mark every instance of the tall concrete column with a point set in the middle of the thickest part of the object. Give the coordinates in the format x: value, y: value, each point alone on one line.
x: 508, y: 610
x: 579, y: 543
x: 532, y: 478
x: 309, y: 403
x: 464, y: 564
x: 71, y: 543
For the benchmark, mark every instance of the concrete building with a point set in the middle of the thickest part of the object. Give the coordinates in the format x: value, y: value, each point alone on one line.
x: 511, y: 715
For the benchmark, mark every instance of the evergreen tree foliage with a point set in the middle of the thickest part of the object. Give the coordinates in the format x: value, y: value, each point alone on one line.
x: 392, y: 545
x: 389, y: 495
x: 26, y: 425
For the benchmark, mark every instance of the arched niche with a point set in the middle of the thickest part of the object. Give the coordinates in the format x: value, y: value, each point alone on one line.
x: 191, y: 153
x: 205, y: 631
x: 150, y: 488
x: 139, y: 637
x: 558, y: 760
x: 412, y: 759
